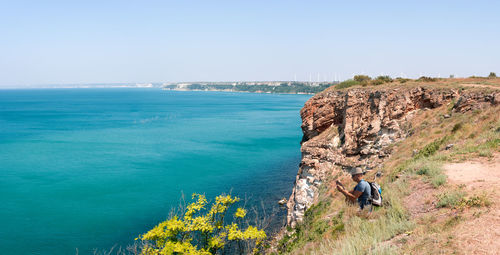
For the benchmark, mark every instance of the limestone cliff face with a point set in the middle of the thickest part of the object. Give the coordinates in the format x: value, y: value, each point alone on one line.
x: 346, y: 129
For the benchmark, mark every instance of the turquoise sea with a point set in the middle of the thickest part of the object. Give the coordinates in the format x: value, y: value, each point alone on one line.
x: 92, y: 168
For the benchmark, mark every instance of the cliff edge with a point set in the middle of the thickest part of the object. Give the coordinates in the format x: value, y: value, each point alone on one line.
x: 344, y: 129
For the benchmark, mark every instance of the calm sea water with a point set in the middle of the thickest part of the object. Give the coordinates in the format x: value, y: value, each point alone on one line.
x: 93, y: 168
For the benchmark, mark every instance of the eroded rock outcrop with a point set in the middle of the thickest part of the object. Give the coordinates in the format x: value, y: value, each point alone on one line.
x: 346, y: 129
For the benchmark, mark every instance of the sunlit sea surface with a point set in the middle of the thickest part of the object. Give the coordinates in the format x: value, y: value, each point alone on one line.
x: 93, y: 168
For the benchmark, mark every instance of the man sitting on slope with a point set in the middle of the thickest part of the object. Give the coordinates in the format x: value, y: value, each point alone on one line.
x: 362, y: 191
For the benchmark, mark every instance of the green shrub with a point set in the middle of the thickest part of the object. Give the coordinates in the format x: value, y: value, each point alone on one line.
x: 438, y: 180
x: 451, y: 106
x: 384, y: 78
x: 430, y: 148
x: 450, y: 199
x: 457, y: 199
x: 346, y: 84
x: 456, y: 127
x: 430, y: 169
x: 317, y: 229
x: 427, y: 79
x: 423, y: 171
x: 312, y: 228
x: 476, y: 201
x: 377, y: 82
x: 381, y: 80
x: 402, y: 80
x: 492, y: 75
x: 361, y: 78
x: 493, y: 143
x: 485, y: 153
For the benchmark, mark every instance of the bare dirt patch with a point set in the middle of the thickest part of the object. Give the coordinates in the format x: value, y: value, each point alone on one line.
x: 480, y: 233
x: 422, y: 201
x: 476, y: 174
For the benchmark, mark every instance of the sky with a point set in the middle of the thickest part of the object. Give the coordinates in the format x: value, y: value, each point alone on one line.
x: 75, y: 42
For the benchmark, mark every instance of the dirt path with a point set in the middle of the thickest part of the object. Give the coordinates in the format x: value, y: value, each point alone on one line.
x: 476, y: 174
x: 480, y: 235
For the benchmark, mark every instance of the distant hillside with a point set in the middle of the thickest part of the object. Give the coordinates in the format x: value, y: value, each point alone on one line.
x: 255, y: 87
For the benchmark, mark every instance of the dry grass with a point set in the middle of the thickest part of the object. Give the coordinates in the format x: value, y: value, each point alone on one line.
x: 365, y: 233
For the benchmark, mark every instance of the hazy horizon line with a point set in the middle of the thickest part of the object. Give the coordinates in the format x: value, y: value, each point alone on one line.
x: 51, y: 85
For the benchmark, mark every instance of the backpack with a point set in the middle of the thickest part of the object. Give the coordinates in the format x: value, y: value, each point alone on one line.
x: 376, y: 197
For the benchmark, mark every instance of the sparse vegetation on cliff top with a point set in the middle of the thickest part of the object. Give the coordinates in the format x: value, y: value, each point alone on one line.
x: 366, y: 81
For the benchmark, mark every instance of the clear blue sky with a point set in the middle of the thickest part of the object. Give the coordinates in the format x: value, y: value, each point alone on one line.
x: 61, y: 42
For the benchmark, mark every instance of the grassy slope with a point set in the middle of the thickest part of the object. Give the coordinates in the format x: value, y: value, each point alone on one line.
x: 333, y: 227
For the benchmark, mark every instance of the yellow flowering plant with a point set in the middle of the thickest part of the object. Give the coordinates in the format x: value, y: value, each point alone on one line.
x: 201, y: 231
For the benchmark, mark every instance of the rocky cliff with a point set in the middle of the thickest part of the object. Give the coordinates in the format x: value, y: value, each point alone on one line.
x: 355, y: 128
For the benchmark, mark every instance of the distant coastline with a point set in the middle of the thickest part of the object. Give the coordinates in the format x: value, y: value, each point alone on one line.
x: 238, y: 91
x: 275, y: 87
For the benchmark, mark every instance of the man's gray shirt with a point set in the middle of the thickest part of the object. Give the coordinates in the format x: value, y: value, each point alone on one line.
x: 363, y: 186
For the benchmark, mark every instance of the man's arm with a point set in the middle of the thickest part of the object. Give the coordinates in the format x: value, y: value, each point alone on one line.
x: 353, y: 195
